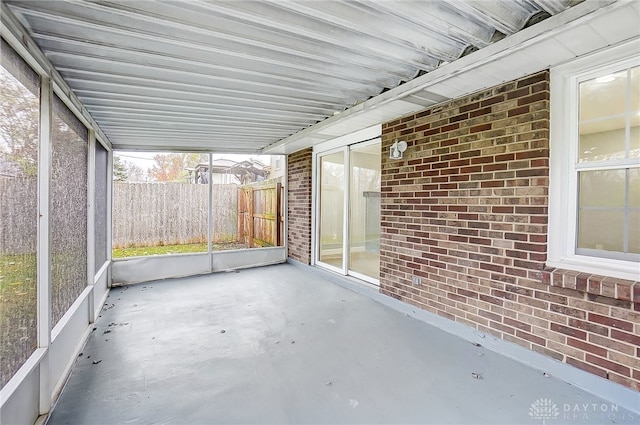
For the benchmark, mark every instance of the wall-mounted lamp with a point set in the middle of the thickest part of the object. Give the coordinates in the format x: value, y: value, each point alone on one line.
x: 396, y: 150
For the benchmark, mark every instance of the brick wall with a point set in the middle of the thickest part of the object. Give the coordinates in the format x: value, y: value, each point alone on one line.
x: 466, y: 210
x: 299, y: 205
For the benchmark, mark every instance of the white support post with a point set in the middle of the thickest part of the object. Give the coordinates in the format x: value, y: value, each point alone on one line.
x: 209, y: 214
x: 44, y: 244
x: 91, y: 216
x: 109, y: 214
x: 285, y: 209
x: 346, y: 222
x: 315, y: 190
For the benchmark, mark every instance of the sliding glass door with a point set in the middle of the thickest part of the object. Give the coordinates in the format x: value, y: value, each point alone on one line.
x: 348, y: 225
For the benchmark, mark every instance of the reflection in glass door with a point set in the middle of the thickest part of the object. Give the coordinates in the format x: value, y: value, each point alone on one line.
x: 331, y: 228
x: 364, y: 210
x: 348, y: 233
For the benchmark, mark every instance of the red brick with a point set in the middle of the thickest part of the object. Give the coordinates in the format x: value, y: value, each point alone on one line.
x: 459, y: 117
x: 470, y: 107
x: 536, y: 78
x: 587, y: 347
x: 609, y: 365
x: 531, y: 338
x: 492, y: 101
x: 518, y: 111
x: 567, y: 311
x: 591, y: 327
x: 623, y: 336
x: 479, y: 112
x: 587, y: 367
x: 517, y: 324
x: 568, y: 331
x: 533, y: 98
x: 610, y: 321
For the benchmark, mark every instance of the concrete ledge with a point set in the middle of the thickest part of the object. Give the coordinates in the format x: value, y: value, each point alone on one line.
x: 131, y: 270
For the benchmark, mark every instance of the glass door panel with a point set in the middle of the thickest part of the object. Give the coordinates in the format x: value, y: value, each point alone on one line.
x: 364, y: 210
x: 331, y: 237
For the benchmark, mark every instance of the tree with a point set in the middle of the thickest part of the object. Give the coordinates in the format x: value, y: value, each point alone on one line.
x: 119, y: 170
x: 172, y: 167
x: 135, y: 173
x: 19, y: 116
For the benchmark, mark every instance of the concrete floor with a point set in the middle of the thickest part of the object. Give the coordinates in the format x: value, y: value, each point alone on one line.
x: 279, y: 345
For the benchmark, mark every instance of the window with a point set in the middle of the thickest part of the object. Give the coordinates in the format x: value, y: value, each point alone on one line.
x: 594, y: 222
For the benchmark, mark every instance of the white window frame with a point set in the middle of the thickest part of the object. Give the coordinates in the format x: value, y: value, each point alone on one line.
x: 563, y: 168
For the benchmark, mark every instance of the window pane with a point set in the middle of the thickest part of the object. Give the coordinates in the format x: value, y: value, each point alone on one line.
x: 602, y: 140
x: 601, y: 229
x: 332, y: 209
x: 603, y: 96
x: 634, y: 231
x: 68, y: 209
x: 19, y: 114
x: 634, y: 143
x: 634, y: 188
x: 364, y: 219
x: 635, y: 90
x: 602, y: 188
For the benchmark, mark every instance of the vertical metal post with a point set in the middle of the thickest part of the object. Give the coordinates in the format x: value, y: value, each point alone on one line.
x: 346, y: 211
x: 109, y: 214
x: 44, y: 243
x: 91, y: 216
x: 210, y: 215
x: 278, y: 215
x: 251, y: 220
x: 316, y: 162
x: 285, y: 210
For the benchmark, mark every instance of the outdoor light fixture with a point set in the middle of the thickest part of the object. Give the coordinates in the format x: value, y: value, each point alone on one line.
x: 396, y: 150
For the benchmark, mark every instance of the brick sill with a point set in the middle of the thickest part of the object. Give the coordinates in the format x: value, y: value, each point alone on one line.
x: 610, y: 287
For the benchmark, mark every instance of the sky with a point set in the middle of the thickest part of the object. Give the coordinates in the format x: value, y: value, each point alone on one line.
x: 144, y: 160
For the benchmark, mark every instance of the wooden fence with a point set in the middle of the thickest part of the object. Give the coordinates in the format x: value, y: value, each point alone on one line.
x: 151, y: 214
x: 260, y: 218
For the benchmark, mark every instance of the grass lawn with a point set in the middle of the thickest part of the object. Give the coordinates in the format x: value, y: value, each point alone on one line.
x: 18, y: 311
x: 173, y: 249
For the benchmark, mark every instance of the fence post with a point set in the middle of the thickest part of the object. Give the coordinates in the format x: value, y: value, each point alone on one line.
x: 251, y: 218
x: 278, y: 204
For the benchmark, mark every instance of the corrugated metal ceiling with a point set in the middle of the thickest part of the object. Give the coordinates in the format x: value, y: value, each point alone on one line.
x: 238, y: 76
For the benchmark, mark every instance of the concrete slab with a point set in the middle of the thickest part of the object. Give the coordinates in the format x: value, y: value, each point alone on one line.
x: 281, y: 345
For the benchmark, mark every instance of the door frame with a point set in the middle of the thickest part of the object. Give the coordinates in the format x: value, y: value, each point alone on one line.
x: 345, y: 148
